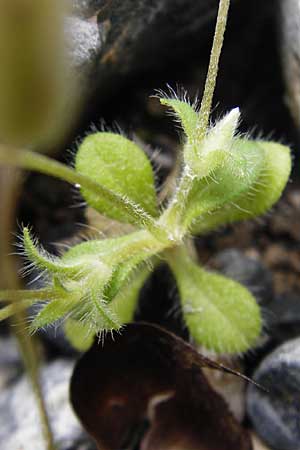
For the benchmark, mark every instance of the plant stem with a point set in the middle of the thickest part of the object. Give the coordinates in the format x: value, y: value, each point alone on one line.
x: 141, y: 242
x: 11, y: 295
x: 213, y: 68
x: 10, y: 182
x: 172, y: 218
x: 40, y: 163
x: 176, y: 209
x: 30, y: 359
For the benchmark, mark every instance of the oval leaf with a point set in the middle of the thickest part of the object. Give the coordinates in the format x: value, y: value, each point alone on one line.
x: 220, y: 313
x: 237, y: 175
x: 262, y: 195
x: 121, y: 166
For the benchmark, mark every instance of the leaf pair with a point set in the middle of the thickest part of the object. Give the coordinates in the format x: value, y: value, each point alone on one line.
x: 230, y: 178
x: 86, y: 287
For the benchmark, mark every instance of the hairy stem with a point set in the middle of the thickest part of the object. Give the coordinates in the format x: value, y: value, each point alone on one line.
x: 172, y: 218
x: 177, y: 207
x: 40, y: 163
x: 213, y: 68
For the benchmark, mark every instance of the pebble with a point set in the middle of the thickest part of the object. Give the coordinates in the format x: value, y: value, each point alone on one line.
x: 250, y: 272
x: 275, y: 415
x: 283, y: 316
x: 84, y: 43
x: 19, y: 422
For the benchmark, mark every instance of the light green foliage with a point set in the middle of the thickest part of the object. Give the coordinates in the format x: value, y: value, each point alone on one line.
x: 220, y: 313
x: 94, y: 286
x: 121, y: 166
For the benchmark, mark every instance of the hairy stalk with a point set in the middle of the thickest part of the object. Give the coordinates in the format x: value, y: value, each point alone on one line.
x: 213, y: 68
x: 177, y: 206
x: 40, y: 163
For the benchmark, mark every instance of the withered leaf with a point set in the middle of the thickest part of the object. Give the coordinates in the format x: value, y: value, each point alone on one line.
x: 146, y: 384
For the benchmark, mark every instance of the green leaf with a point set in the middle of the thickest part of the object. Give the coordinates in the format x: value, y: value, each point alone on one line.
x: 52, y: 312
x: 45, y: 261
x: 78, y: 334
x: 237, y: 175
x: 216, y: 148
x: 122, y: 167
x: 81, y: 333
x: 220, y: 313
x: 125, y: 302
x: 264, y: 193
x: 185, y: 113
x: 204, y: 156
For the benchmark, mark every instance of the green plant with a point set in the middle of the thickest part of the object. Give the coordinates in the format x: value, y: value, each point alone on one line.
x: 225, y: 178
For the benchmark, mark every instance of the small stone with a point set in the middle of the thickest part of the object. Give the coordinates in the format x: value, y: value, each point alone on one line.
x: 275, y: 414
x: 248, y: 271
x: 84, y: 43
x: 19, y: 420
x: 283, y: 316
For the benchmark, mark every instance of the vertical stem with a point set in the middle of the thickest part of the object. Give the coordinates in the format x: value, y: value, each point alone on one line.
x: 213, y: 67
x: 10, y: 182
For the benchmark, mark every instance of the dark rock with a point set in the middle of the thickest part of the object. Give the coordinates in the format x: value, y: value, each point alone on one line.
x: 19, y: 423
x: 275, y: 414
x: 250, y: 272
x: 283, y: 316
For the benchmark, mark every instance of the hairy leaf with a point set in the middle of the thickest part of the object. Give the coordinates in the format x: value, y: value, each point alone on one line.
x: 237, y: 175
x: 81, y: 334
x: 220, y: 313
x: 52, y: 312
x: 262, y: 195
x: 124, y: 304
x: 121, y: 166
x: 44, y: 261
x: 185, y: 113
